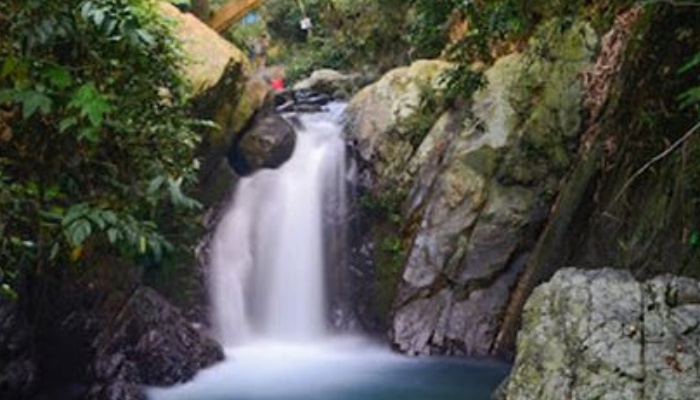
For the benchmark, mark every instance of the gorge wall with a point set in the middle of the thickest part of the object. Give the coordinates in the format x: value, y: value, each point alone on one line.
x: 529, y: 175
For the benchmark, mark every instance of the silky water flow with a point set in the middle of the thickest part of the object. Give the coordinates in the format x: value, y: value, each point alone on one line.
x: 269, y: 307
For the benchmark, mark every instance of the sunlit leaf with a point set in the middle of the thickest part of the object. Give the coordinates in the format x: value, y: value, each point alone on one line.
x: 91, y: 103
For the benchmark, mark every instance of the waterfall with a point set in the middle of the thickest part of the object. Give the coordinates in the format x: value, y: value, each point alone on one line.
x: 268, y: 271
x: 275, y: 253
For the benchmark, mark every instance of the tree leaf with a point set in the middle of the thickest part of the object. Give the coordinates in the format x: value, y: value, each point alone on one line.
x: 54, y: 251
x: 67, y: 123
x: 155, y: 185
x: 694, y: 62
x: 90, y: 134
x: 74, y: 212
x: 79, y: 231
x: 146, y: 38
x: 143, y: 244
x: 9, y: 66
x: 91, y: 103
x: 59, y: 77
x: 86, y: 10
x: 113, y: 235
x: 33, y: 101
x: 98, y: 17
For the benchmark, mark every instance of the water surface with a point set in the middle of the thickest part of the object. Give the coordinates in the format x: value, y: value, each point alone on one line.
x: 342, y: 369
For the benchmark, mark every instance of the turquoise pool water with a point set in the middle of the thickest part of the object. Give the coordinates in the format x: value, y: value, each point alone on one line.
x: 338, y: 371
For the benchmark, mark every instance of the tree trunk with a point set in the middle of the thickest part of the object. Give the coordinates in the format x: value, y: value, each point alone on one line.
x: 202, y: 9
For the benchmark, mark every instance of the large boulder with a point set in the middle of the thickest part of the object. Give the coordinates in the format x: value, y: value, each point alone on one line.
x: 224, y: 90
x: 99, y: 333
x: 376, y: 116
x: 208, y: 53
x: 268, y: 143
x: 602, y: 335
x: 475, y: 192
x: 147, y: 342
x: 481, y: 193
x: 378, y: 122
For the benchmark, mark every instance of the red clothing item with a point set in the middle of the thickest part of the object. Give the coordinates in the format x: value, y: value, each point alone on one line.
x: 277, y: 84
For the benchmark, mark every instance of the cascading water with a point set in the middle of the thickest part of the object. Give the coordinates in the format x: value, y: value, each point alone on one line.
x: 273, y: 255
x: 267, y: 271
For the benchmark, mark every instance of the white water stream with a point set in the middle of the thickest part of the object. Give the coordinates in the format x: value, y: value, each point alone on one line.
x: 267, y: 271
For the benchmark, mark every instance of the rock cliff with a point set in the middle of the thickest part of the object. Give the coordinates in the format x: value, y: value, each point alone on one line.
x: 476, y: 190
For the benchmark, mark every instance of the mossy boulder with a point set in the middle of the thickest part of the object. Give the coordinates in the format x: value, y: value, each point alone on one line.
x: 603, y: 335
x: 376, y: 114
x: 224, y: 90
x: 208, y: 54
x: 478, y: 197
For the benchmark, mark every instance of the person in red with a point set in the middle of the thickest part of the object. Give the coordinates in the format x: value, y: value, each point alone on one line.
x: 277, y: 84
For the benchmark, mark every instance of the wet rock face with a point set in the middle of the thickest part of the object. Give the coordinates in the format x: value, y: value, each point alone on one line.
x: 479, y: 196
x: 18, y: 368
x: 102, y: 336
x: 147, y: 343
x: 268, y: 143
x: 602, y: 335
x: 477, y: 189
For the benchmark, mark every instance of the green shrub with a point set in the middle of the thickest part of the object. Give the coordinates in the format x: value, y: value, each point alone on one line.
x: 96, y: 145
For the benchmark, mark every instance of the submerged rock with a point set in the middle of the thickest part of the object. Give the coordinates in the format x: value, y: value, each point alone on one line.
x: 602, y: 335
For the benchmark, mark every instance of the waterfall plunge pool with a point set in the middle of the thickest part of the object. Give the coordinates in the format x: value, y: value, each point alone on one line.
x: 337, y: 369
x: 268, y: 296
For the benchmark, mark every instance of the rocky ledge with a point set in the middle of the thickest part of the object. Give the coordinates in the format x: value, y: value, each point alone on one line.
x: 148, y: 342
x: 603, y: 335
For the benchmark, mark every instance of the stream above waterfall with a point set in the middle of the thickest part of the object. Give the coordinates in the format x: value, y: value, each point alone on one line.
x: 269, y: 289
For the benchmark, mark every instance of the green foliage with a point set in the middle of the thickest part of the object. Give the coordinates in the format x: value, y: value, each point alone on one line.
x: 244, y: 35
x: 488, y: 25
x: 691, y: 97
x: 484, y: 30
x: 96, y: 142
x: 385, y: 206
x: 428, y: 31
x: 347, y: 34
x: 385, y: 210
x: 418, y: 124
